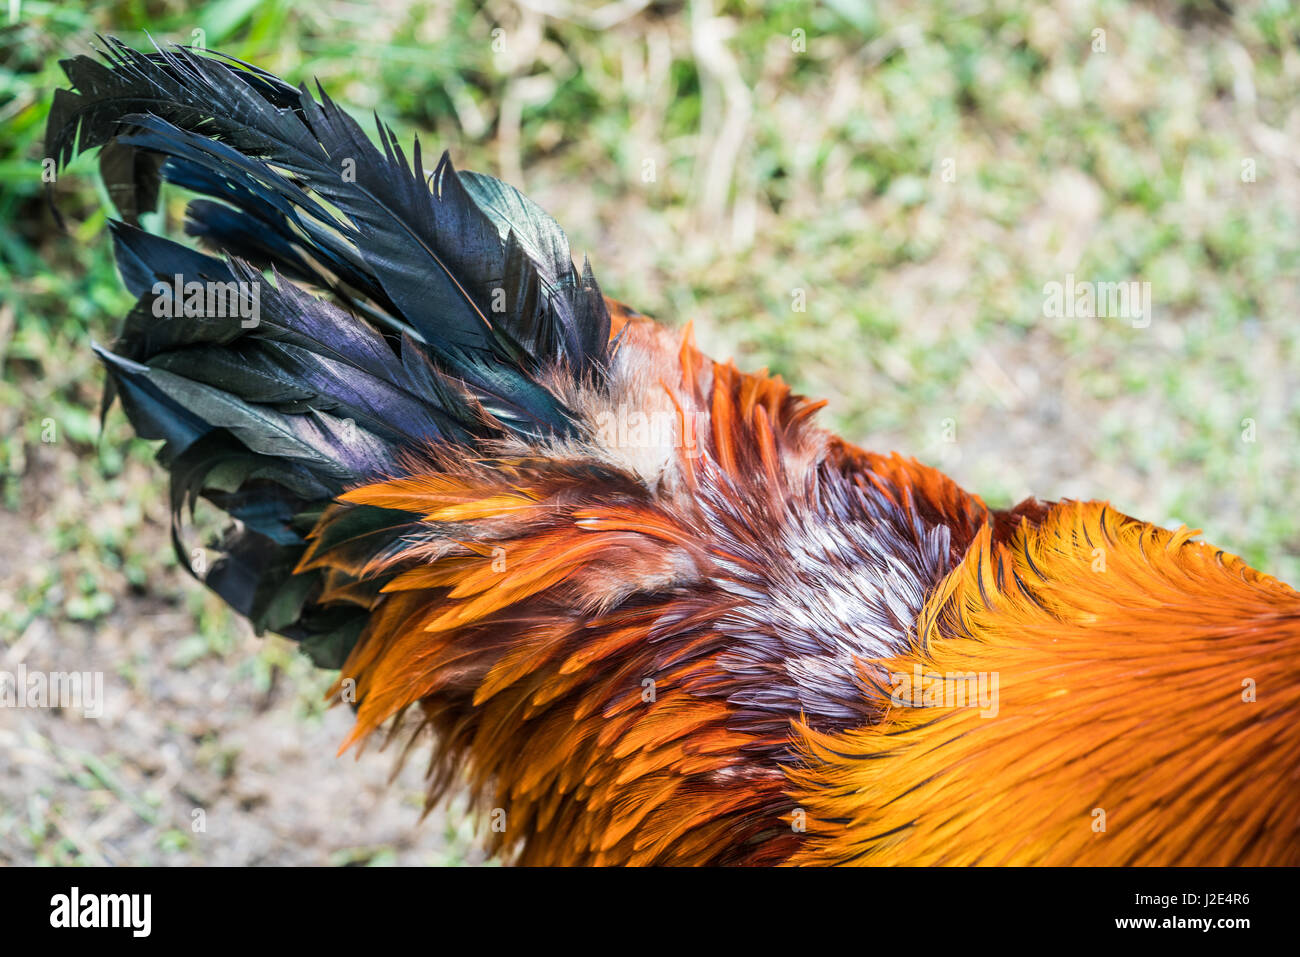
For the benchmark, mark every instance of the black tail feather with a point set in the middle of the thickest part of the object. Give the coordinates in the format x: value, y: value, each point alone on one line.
x: 458, y: 293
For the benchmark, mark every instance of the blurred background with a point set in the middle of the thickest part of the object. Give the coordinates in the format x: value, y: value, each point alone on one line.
x: 866, y: 197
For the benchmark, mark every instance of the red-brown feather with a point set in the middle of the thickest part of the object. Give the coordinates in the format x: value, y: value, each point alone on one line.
x: 543, y: 640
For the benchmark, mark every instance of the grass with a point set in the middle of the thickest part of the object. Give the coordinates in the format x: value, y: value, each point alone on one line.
x: 868, y: 198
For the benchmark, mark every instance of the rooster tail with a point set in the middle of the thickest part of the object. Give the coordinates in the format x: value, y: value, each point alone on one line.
x: 456, y: 316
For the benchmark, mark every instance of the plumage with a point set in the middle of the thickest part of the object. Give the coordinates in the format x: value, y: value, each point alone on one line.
x: 643, y: 604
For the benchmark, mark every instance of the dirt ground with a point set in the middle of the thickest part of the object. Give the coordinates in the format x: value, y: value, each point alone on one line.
x: 240, y: 736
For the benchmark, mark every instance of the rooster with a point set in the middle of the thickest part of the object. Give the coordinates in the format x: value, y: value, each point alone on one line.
x: 645, y: 609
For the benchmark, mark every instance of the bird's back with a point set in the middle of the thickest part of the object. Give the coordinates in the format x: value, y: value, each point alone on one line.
x: 639, y: 600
